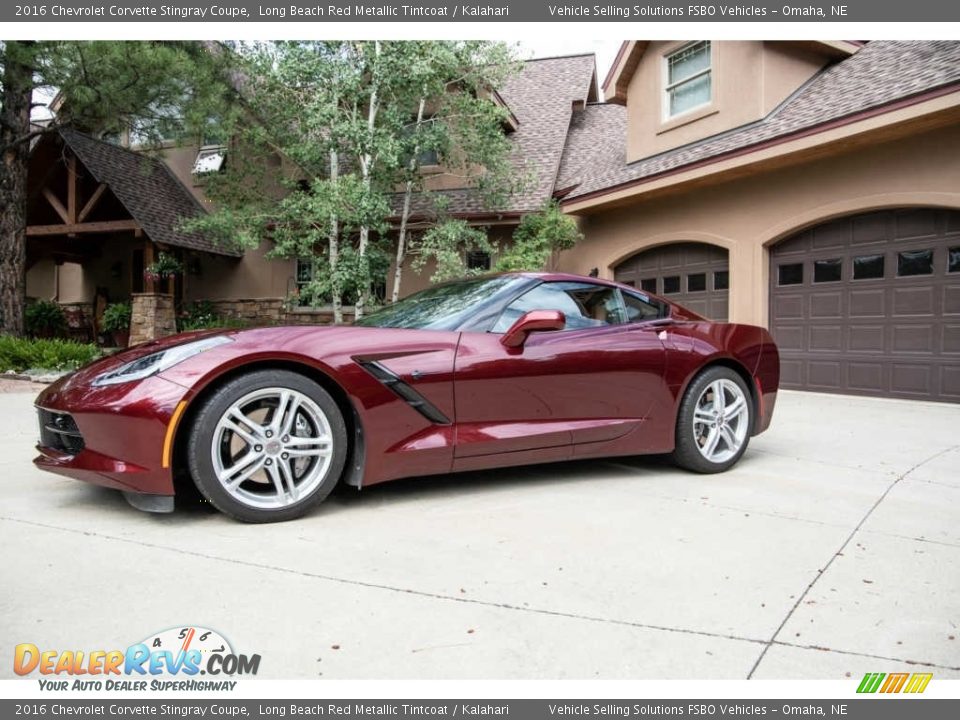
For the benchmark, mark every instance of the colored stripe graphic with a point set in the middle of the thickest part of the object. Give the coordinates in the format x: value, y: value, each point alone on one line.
x: 870, y: 682
x: 918, y: 683
x: 894, y: 683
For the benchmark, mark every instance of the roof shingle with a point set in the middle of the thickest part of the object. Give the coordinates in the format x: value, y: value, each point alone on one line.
x: 881, y: 73
x: 541, y: 97
x: 149, y: 191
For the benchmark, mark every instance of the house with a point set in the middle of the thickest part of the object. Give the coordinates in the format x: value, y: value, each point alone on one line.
x: 130, y: 206
x: 809, y: 186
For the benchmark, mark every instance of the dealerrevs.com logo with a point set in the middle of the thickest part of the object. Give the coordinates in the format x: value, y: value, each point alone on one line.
x: 168, y: 660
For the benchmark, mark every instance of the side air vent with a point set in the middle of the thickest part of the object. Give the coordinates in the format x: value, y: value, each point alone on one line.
x: 414, y: 399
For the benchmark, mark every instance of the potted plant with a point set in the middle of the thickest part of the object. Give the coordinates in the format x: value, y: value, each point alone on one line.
x: 44, y: 319
x: 165, y: 266
x: 116, y: 321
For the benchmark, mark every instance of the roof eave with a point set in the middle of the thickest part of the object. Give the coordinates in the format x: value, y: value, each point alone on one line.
x: 940, y: 99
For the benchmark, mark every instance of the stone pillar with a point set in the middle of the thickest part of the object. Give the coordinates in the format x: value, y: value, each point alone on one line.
x: 152, y: 316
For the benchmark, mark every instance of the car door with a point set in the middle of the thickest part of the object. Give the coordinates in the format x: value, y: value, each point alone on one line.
x: 592, y: 382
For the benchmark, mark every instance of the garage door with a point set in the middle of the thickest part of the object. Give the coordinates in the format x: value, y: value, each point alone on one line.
x: 695, y: 275
x: 870, y: 305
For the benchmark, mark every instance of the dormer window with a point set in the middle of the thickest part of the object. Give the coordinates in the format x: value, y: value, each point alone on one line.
x: 687, y: 79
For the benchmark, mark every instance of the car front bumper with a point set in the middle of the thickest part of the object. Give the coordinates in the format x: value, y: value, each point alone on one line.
x: 112, y: 436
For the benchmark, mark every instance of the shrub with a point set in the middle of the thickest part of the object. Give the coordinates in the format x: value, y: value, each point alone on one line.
x: 19, y: 354
x: 539, y: 237
x: 116, y: 317
x: 44, y: 318
x: 202, y: 316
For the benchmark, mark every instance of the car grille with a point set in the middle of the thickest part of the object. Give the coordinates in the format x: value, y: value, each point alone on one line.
x: 58, y: 431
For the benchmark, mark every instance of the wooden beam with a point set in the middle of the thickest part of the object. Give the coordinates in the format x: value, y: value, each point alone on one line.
x: 91, y: 203
x: 108, y: 226
x: 72, y: 189
x: 56, y: 204
x: 148, y: 257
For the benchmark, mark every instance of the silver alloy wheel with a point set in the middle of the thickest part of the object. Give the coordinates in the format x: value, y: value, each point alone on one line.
x: 721, y: 419
x: 272, y: 448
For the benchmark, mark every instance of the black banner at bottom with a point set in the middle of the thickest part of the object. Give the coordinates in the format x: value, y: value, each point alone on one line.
x: 874, y: 708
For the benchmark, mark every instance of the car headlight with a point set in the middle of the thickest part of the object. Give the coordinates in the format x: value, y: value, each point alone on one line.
x: 157, y: 362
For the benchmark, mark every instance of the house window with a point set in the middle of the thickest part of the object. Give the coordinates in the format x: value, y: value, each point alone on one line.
x: 914, y: 262
x: 428, y: 158
x: 697, y: 282
x: 209, y: 160
x: 868, y: 267
x: 671, y: 284
x: 649, y: 285
x: 688, y: 79
x: 953, y: 259
x: 721, y: 280
x: 790, y: 274
x: 304, y: 278
x: 827, y: 270
x: 478, y: 260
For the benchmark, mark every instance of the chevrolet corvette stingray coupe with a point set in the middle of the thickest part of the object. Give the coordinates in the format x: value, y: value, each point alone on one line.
x: 485, y: 372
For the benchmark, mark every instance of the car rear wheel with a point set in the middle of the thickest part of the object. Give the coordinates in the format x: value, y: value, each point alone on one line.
x: 715, y: 421
x: 267, y: 446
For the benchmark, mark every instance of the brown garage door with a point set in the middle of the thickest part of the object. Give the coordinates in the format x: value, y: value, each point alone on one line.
x: 870, y: 305
x: 695, y: 275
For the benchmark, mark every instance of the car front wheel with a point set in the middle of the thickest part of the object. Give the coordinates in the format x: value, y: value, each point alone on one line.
x: 715, y: 421
x: 267, y: 446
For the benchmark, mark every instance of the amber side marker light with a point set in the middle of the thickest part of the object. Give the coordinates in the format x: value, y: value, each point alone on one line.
x: 171, y: 429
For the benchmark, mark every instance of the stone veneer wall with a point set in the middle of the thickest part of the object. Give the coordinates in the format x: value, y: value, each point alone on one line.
x: 273, y: 311
x: 152, y: 316
x: 263, y: 311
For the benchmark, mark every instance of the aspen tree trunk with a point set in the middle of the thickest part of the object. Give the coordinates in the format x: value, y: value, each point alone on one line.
x: 405, y: 214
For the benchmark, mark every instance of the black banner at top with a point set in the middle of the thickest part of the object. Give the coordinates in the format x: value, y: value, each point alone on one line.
x: 300, y: 11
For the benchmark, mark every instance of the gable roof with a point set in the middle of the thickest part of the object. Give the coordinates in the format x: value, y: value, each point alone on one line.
x: 149, y: 191
x: 541, y: 97
x: 882, y: 73
x: 628, y: 59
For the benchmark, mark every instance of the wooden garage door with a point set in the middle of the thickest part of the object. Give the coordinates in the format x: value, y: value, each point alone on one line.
x: 870, y: 305
x: 695, y: 275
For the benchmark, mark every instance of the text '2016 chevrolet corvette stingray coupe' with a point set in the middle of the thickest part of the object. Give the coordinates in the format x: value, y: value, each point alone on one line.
x: 486, y: 372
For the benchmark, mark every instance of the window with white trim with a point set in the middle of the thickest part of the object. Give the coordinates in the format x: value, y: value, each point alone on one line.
x: 688, y: 79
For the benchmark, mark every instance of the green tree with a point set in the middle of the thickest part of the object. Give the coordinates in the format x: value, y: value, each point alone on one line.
x: 446, y: 244
x: 458, y: 126
x: 539, y: 238
x: 349, y: 124
x: 152, y: 89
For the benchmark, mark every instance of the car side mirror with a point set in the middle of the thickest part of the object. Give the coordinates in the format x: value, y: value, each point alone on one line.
x: 533, y: 321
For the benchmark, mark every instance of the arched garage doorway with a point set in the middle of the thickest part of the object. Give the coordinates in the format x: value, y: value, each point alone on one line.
x: 695, y: 275
x: 870, y: 304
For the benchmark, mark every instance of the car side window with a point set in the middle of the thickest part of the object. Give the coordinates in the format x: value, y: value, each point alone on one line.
x: 639, y: 309
x: 583, y: 304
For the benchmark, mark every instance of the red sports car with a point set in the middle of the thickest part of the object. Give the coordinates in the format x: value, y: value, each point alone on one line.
x: 486, y: 372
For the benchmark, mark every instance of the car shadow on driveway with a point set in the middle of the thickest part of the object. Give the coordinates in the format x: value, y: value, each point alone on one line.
x: 463, y: 486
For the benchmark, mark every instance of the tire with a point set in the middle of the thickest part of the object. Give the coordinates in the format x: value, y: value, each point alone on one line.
x: 259, y: 464
x: 711, y: 439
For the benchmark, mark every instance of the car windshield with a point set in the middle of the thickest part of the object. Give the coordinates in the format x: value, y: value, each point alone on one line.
x: 442, y: 307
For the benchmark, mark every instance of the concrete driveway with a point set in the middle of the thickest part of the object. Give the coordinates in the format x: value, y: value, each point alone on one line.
x: 830, y: 551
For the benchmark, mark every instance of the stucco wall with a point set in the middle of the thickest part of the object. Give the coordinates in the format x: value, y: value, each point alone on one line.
x: 252, y: 276
x: 747, y: 215
x: 749, y: 78
x: 42, y: 280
